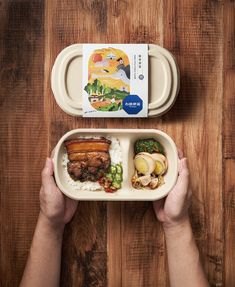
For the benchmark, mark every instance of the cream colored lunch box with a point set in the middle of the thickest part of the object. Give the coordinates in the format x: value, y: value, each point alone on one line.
x: 126, y: 139
x: 66, y: 80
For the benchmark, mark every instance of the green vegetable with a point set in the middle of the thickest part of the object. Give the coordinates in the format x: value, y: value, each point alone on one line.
x: 148, y: 145
x: 119, y: 168
x: 113, y: 169
x: 118, y: 177
x: 116, y: 184
x: 114, y: 177
x: 109, y: 176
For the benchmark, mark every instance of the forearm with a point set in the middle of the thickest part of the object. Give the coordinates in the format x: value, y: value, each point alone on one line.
x: 184, y: 264
x: 43, y: 265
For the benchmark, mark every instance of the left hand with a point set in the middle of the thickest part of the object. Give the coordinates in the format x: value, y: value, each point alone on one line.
x: 55, y: 207
x: 173, y: 210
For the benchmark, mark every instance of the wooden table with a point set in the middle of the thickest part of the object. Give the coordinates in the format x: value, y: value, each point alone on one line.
x: 118, y: 244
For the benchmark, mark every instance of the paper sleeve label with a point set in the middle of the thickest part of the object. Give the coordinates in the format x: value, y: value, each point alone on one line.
x: 115, y: 80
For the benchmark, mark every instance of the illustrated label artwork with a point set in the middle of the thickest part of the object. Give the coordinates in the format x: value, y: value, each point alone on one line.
x: 113, y: 75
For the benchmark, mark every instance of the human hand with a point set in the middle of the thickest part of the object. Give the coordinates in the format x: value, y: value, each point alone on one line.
x: 56, y: 208
x: 173, y: 210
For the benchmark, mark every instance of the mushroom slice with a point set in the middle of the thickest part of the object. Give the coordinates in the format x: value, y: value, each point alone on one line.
x: 160, y: 180
x: 154, y: 183
x: 145, y: 180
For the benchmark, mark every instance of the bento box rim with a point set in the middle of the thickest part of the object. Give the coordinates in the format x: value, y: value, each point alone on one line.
x: 118, y: 130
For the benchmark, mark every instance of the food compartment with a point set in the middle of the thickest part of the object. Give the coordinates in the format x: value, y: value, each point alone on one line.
x: 68, y: 186
x: 172, y: 170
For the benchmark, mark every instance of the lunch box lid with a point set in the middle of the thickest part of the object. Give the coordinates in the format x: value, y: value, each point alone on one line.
x: 66, y: 80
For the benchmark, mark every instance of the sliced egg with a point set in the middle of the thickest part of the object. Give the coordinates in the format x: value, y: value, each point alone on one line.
x: 144, y: 163
x: 160, y: 163
x: 159, y: 167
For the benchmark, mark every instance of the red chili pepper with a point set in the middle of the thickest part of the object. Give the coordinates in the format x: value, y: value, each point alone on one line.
x: 110, y: 190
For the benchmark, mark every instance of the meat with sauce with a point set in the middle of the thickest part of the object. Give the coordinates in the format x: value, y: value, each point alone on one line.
x: 89, y: 159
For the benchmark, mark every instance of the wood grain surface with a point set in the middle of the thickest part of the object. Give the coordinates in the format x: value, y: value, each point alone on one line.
x: 229, y: 143
x: 118, y: 244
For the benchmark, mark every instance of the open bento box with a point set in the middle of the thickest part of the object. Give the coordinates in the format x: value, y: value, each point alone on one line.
x: 126, y: 139
x: 67, y: 86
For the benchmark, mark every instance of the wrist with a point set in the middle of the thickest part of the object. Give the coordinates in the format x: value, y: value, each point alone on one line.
x: 49, y: 226
x: 177, y: 228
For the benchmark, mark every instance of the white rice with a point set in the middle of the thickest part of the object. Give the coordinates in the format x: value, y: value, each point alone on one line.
x: 115, y: 155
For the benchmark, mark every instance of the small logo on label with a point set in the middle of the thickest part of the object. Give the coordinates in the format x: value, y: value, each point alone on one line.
x: 132, y: 104
x: 141, y: 77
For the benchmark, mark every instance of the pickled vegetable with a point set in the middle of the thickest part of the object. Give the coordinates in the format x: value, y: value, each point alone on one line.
x: 148, y: 145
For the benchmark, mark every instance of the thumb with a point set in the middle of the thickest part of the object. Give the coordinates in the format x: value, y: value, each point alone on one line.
x: 47, y: 173
x: 183, y: 179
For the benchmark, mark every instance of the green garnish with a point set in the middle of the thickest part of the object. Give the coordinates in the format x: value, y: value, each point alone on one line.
x: 109, y: 176
x: 113, y: 179
x: 116, y: 184
x: 148, y: 145
x: 118, y: 177
x: 113, y: 169
x: 119, y: 168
